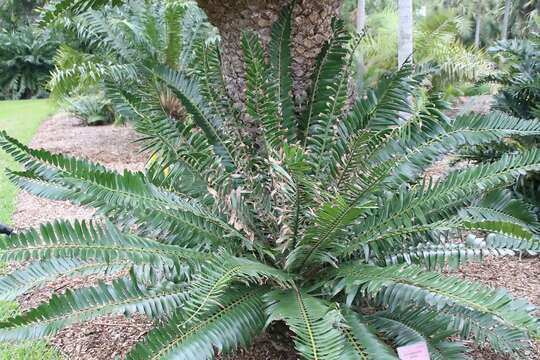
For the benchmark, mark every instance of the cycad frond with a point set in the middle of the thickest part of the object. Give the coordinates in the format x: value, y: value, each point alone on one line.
x: 439, y: 138
x: 452, y: 192
x: 280, y: 62
x: 90, y: 184
x: 209, y: 122
x: 262, y: 94
x: 123, y: 296
x: 208, y: 287
x: 329, y: 70
x: 173, y: 12
x: 398, y: 286
x: 305, y: 221
x: 362, y: 339
x: 235, y: 323
x: 328, y: 98
x: 90, y: 241
x: 440, y: 256
x: 207, y: 70
x: 314, y: 322
x: 413, y: 326
x: 41, y: 272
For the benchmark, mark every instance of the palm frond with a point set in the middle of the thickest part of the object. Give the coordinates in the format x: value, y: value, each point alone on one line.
x: 39, y: 273
x: 314, y: 323
x: 362, y: 339
x: 124, y: 296
x: 280, y: 63
x: 235, y: 323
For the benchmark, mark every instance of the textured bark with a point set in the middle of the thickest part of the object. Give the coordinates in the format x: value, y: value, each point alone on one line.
x: 405, y: 41
x: 311, y: 29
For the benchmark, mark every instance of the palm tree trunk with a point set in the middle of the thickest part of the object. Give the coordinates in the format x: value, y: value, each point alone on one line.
x: 361, y: 16
x: 311, y: 29
x: 504, y: 32
x: 405, y: 37
x: 477, y: 30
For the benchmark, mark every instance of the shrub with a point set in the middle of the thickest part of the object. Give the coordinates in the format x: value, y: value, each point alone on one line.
x: 115, y: 40
x: 519, y: 78
x: 25, y: 62
x: 92, y: 109
x: 324, y: 222
x: 519, y: 96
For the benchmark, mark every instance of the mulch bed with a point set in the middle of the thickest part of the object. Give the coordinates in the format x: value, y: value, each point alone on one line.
x: 108, y: 337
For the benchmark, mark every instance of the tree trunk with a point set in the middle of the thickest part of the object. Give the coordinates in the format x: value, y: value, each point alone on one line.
x: 311, y: 29
x: 405, y: 39
x: 360, y: 26
x: 504, y: 30
x: 477, y: 30
x: 361, y: 16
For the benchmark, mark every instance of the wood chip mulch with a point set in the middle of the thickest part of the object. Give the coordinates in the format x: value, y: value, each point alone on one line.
x: 107, y: 337
x: 264, y: 348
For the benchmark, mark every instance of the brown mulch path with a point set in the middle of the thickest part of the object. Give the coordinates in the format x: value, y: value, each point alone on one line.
x: 106, y: 337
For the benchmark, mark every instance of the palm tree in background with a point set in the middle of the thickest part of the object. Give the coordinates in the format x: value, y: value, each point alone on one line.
x: 506, y: 18
x: 405, y: 32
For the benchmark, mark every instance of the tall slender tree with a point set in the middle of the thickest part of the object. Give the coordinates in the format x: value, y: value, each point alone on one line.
x: 405, y: 33
x: 361, y: 16
x: 478, y: 25
x: 506, y: 17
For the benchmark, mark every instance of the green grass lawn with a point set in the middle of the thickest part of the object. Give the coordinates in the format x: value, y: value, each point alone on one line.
x: 21, y: 120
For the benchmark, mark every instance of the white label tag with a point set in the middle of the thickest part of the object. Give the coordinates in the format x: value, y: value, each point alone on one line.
x: 418, y: 351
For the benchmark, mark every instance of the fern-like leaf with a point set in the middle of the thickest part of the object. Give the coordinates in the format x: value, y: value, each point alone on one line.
x: 312, y: 320
x: 235, y: 323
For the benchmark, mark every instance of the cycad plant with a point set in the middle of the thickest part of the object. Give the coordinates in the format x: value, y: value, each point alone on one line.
x: 320, y: 220
x: 26, y: 60
x: 114, y: 40
x: 520, y: 92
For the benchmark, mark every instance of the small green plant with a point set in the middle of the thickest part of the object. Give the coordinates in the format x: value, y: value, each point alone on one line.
x: 321, y: 220
x: 437, y: 42
x: 118, y: 40
x: 92, y: 109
